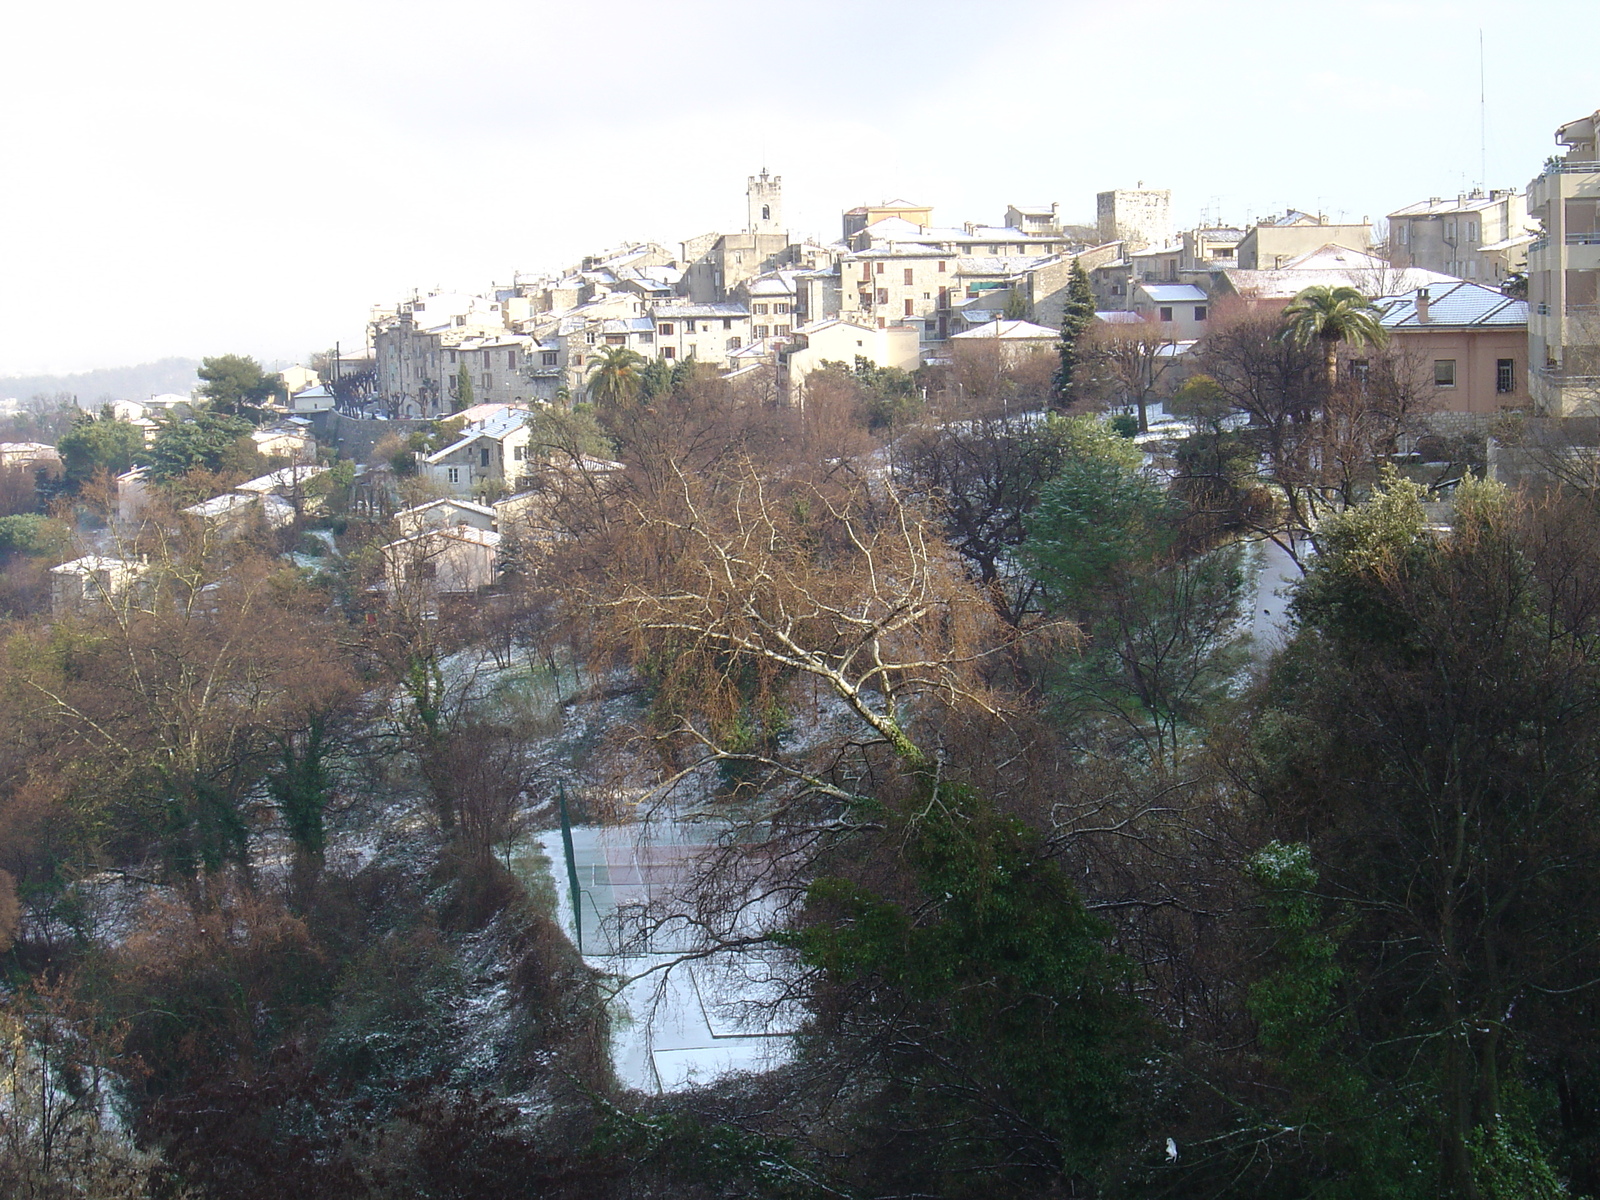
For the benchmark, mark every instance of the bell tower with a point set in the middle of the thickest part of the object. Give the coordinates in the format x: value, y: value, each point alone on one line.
x: 764, y: 196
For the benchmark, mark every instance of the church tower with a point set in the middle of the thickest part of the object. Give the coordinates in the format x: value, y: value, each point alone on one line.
x: 764, y: 196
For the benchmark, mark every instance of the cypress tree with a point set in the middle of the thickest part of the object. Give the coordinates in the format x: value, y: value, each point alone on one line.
x: 1077, y: 314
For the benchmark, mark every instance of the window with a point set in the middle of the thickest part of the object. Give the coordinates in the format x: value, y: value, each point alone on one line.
x: 1404, y: 230
x: 944, y: 297
x: 452, y: 357
x: 1444, y: 372
x: 727, y: 322
x: 780, y: 309
x: 647, y: 337
x: 883, y: 295
x: 1505, y: 375
x: 941, y: 268
x: 880, y: 268
x: 589, y: 338
x: 995, y: 250
x: 909, y: 309
x: 760, y: 310
x: 616, y: 339
x: 780, y: 331
x: 577, y: 360
x: 1360, y: 369
x: 666, y: 329
x: 668, y: 352
x: 1472, y: 231
x: 766, y: 212
x: 762, y: 331
x: 511, y: 360
x: 483, y: 456
x: 927, y: 295
x: 734, y: 343
x: 1166, y: 314
x: 911, y: 276
x: 454, y: 474
x: 548, y: 357
x: 1199, y: 312
x: 518, y: 453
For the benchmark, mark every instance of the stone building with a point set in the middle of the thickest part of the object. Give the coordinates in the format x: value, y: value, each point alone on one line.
x: 1136, y: 216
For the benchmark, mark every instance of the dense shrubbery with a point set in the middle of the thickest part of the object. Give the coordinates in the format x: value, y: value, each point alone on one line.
x: 1082, y: 894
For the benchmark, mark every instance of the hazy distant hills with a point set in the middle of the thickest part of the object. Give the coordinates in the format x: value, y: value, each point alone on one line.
x: 109, y: 383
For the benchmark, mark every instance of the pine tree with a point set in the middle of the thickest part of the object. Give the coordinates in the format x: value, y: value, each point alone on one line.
x: 1077, y: 314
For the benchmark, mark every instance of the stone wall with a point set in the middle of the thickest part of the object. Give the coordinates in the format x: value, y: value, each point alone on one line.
x: 354, y: 437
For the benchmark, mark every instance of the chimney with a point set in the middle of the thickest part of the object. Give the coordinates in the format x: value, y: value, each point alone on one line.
x: 1422, y: 306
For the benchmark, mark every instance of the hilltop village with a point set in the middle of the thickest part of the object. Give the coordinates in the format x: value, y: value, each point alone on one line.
x: 1031, y: 709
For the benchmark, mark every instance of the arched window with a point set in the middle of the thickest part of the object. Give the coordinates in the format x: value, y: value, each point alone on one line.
x: 766, y: 212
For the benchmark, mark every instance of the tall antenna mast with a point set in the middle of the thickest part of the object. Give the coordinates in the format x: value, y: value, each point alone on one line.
x: 1483, y: 119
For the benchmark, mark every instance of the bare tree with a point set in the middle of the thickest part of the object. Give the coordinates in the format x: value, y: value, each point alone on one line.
x: 1130, y: 363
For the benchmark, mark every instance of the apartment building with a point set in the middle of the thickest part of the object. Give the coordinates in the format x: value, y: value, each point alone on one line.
x: 1476, y: 237
x: 1564, y: 276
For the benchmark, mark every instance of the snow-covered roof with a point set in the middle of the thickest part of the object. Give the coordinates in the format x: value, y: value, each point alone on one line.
x: 1332, y: 256
x: 276, y: 508
x: 446, y: 502
x: 1521, y: 239
x: 283, y: 478
x: 1454, y: 306
x: 1173, y: 293
x: 1438, y: 206
x: 1011, y: 331
x: 90, y: 563
x: 699, y: 310
x: 487, y: 538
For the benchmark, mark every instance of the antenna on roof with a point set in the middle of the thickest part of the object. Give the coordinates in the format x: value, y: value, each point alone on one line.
x: 1483, y: 119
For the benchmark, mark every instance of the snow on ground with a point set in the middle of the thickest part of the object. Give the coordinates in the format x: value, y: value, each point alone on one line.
x: 677, y: 1023
x: 1273, y: 573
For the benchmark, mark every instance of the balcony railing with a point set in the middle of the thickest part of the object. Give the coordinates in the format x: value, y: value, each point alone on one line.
x: 1565, y: 167
x: 1573, y: 312
x: 1583, y: 239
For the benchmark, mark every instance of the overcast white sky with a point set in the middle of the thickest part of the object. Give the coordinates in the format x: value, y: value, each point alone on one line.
x: 202, y: 178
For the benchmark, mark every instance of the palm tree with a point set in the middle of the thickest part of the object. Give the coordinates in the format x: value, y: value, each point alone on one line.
x: 615, y: 375
x: 1331, y: 317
